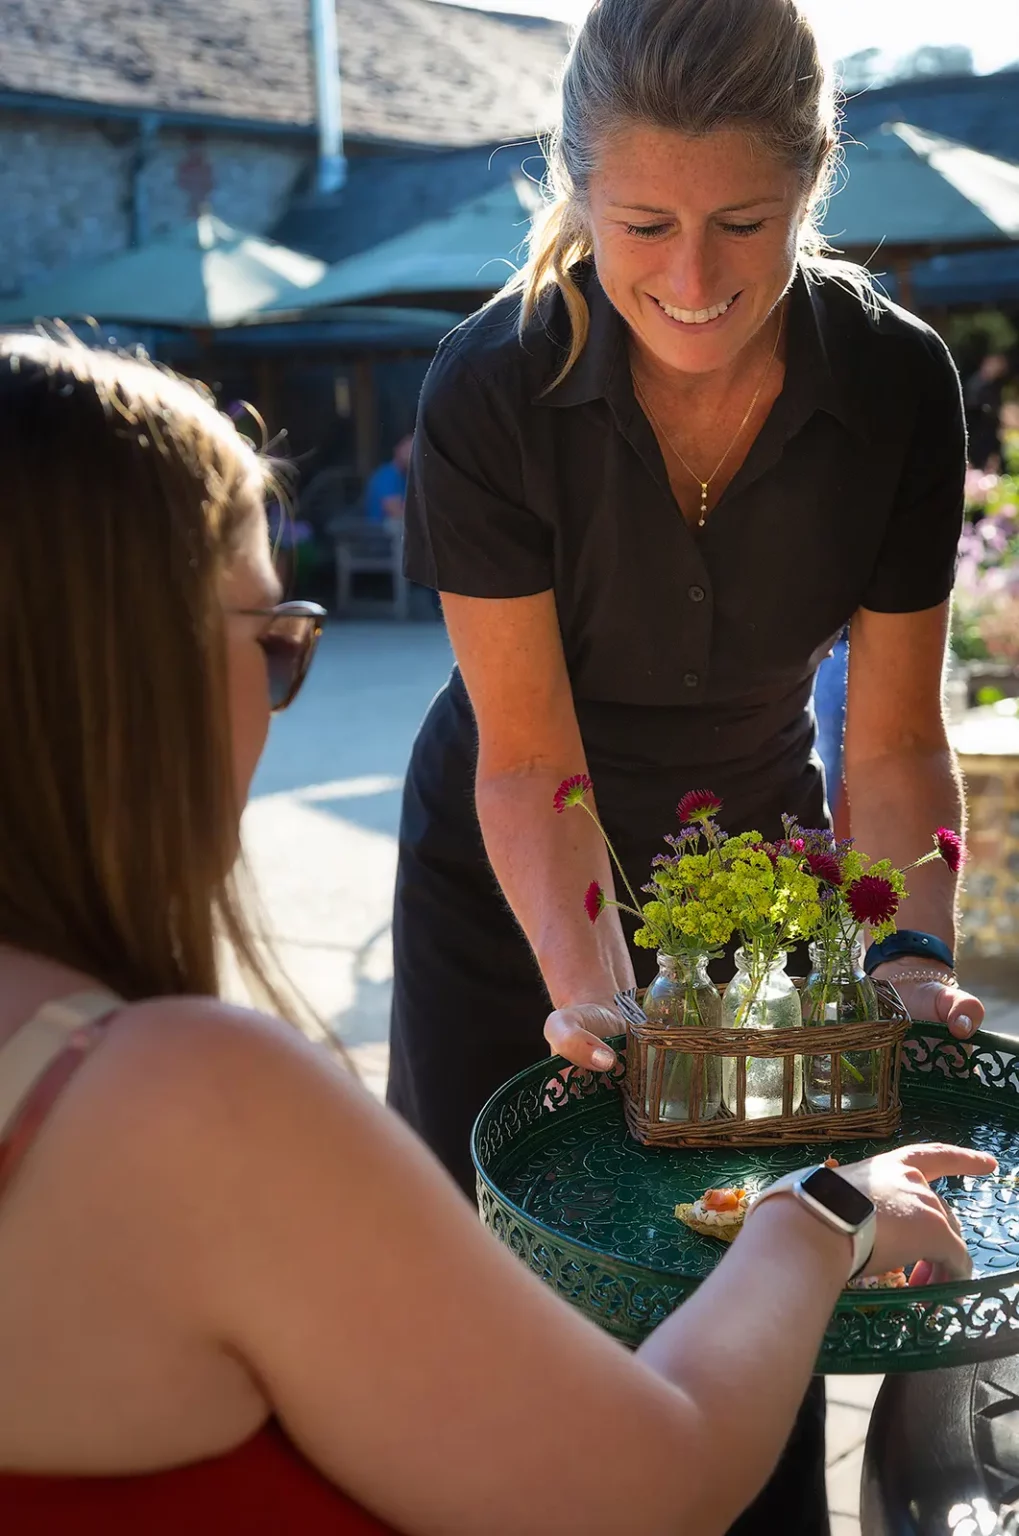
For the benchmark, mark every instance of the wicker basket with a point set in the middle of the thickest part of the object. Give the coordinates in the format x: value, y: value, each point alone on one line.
x: 884, y: 1036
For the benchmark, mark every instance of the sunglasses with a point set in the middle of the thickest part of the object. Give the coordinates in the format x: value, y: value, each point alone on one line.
x: 288, y: 641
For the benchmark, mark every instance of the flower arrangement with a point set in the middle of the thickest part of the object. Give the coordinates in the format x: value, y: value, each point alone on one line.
x: 711, y: 886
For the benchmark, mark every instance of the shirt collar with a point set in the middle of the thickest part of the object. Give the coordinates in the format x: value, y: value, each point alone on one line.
x: 816, y: 375
x: 819, y: 373
x: 602, y: 371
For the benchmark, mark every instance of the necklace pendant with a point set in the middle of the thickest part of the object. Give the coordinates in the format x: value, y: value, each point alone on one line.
x: 704, y: 504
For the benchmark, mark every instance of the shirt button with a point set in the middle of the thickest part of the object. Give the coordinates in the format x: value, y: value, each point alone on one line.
x: 696, y: 594
x: 692, y: 679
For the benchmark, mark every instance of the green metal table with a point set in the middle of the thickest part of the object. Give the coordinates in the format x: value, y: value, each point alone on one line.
x: 591, y: 1211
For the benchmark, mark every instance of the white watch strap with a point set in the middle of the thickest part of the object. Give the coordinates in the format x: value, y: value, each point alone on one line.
x: 863, y: 1245
x: 862, y: 1236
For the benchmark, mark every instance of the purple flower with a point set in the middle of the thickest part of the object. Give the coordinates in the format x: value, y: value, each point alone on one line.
x: 682, y: 839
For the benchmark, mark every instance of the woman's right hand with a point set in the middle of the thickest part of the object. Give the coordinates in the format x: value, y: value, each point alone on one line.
x: 579, y: 1033
x: 912, y: 1222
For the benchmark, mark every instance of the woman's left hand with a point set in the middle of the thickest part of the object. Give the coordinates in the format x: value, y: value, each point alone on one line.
x: 939, y: 1003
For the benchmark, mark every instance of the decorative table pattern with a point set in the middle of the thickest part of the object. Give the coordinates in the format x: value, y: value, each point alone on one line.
x: 591, y: 1211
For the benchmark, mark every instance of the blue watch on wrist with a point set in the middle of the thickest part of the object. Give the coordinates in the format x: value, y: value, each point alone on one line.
x: 926, y: 946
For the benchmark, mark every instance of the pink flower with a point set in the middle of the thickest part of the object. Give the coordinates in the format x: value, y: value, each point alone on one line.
x: 698, y: 805
x: 951, y: 848
x: 872, y: 900
x: 594, y: 901
x: 792, y: 846
x: 826, y: 867
x: 571, y: 792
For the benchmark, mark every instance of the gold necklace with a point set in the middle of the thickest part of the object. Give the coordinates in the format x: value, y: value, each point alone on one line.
x: 705, y: 485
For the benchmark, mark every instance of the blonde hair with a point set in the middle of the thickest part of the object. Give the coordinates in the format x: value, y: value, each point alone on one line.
x: 126, y: 494
x: 694, y: 66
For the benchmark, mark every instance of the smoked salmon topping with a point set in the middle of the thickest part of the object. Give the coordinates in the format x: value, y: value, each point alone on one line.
x: 722, y: 1199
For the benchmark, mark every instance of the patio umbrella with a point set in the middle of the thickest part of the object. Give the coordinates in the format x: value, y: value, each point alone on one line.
x: 911, y: 194
x: 471, y: 250
x: 205, y: 274
x: 350, y: 328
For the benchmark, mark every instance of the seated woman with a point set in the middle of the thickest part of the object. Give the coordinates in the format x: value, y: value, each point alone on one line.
x: 236, y: 1294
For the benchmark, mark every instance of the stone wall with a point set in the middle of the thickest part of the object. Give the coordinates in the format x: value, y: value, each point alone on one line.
x: 67, y: 187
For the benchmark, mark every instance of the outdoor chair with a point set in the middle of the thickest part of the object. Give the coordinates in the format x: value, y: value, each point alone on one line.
x: 361, y: 548
x: 369, y: 549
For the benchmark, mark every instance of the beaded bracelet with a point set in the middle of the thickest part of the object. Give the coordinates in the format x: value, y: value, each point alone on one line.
x: 924, y: 973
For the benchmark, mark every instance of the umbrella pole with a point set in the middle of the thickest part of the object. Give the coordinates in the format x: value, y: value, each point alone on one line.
x: 365, y: 416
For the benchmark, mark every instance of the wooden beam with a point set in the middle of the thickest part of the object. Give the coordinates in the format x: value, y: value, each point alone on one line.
x: 903, y: 269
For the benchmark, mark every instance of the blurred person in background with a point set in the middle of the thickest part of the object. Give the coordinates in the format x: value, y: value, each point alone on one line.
x: 386, y: 490
x: 984, y: 396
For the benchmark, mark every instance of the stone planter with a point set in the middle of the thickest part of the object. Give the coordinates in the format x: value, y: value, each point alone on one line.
x: 988, y: 747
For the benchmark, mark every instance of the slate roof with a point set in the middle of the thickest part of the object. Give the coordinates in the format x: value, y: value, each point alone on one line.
x: 414, y: 71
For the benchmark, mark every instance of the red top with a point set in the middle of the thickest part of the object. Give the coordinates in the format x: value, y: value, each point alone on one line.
x: 264, y: 1488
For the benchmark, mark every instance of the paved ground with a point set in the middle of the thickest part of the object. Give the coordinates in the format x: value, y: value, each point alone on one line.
x: 321, y: 838
x: 320, y: 830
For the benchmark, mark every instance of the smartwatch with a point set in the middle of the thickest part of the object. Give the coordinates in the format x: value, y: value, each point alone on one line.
x: 907, y: 943
x: 833, y: 1200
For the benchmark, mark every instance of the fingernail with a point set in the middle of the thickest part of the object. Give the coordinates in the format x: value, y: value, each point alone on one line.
x: 602, y: 1059
x: 967, y: 1023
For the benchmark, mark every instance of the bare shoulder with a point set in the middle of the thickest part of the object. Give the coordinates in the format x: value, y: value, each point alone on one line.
x: 217, y: 1057
x: 185, y: 1093
x: 200, y: 1036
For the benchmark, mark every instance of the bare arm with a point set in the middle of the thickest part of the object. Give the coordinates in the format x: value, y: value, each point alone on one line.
x: 510, y: 653
x: 306, y: 1232
x: 901, y: 773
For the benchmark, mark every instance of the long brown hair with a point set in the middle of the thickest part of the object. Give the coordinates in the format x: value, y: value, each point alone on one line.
x: 124, y: 494
x: 693, y: 66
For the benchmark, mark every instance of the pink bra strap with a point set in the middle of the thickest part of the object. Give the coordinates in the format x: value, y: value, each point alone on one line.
x: 33, y: 1110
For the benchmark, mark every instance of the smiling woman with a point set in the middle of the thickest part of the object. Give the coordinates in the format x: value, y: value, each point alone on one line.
x: 654, y: 480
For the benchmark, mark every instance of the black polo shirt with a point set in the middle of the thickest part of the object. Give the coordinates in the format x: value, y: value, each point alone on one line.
x: 692, y: 652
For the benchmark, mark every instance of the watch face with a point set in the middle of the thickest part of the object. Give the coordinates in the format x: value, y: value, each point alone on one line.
x: 837, y: 1195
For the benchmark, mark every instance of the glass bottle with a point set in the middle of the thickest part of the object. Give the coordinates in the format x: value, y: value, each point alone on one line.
x: 839, y: 991
x: 761, y: 996
x: 683, y: 994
